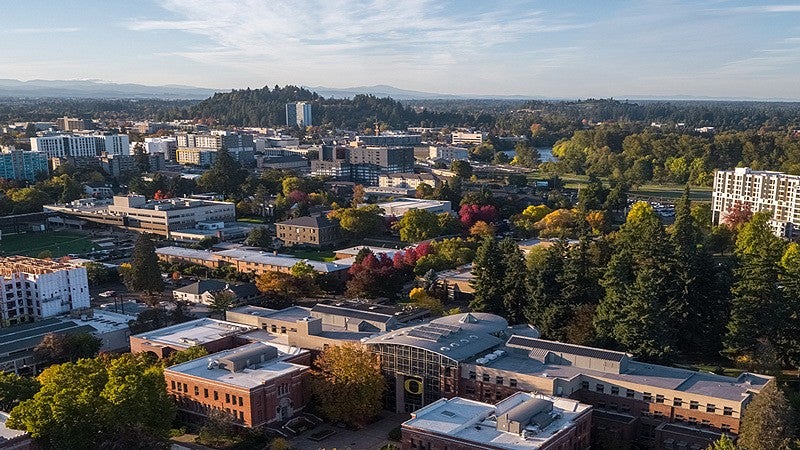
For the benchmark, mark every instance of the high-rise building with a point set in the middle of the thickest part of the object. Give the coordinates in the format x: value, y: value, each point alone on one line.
x: 298, y: 114
x: 194, y: 148
x: 22, y: 164
x: 64, y: 145
x: 759, y: 190
x: 363, y: 165
x: 35, y: 288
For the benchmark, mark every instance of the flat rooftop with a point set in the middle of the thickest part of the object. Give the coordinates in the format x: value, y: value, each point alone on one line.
x: 250, y: 377
x: 671, y: 378
x: 270, y: 259
x: 180, y: 252
x: 194, y: 332
x: 475, y: 421
x: 25, y: 264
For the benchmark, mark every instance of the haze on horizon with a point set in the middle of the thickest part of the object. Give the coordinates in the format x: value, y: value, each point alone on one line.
x: 567, y: 49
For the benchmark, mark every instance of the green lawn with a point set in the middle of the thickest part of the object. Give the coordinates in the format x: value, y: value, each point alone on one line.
x: 251, y: 220
x: 59, y: 243
x: 312, y: 255
x: 662, y: 190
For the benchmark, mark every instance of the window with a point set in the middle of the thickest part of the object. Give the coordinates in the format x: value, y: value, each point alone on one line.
x: 658, y: 414
x: 274, y: 328
x: 216, y: 395
x: 678, y: 418
x: 694, y: 405
x: 692, y: 421
x: 725, y: 427
x: 705, y: 423
x: 677, y: 402
x: 614, y: 390
x: 584, y: 385
x: 629, y: 393
x: 185, y: 388
x: 711, y: 408
x: 472, y: 375
x: 173, y: 384
x: 727, y: 411
x: 469, y: 390
x: 512, y: 382
x: 486, y: 378
x: 646, y: 396
x: 205, y: 393
x: 227, y: 398
x: 241, y: 401
x: 659, y: 398
x: 599, y: 387
x: 498, y: 380
x: 196, y: 390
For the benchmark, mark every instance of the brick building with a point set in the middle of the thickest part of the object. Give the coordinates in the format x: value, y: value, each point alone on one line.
x: 255, y: 384
x: 213, y: 335
x: 310, y: 231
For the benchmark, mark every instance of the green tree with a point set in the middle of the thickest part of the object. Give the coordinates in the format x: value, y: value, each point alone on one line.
x: 515, y: 297
x: 488, y: 270
x: 592, y: 196
x: 92, y: 402
x: 418, y: 225
x: 144, y: 274
x: 723, y: 443
x: 768, y: 423
x: 225, y: 176
x: 788, y: 332
x: 462, y: 169
x: 526, y: 156
x: 98, y: 273
x: 359, y: 222
x: 222, y: 301
x: 259, y: 237
x: 15, y: 389
x: 60, y: 347
x: 348, y: 384
x: 180, y: 357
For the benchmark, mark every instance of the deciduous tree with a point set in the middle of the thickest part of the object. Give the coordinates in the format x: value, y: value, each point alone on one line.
x: 768, y: 422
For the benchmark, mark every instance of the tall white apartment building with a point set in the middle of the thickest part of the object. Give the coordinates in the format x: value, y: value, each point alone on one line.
x: 298, y: 114
x: 761, y: 190
x: 35, y: 288
x: 64, y: 145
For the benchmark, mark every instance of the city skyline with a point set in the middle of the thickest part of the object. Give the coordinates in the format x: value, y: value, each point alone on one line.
x: 726, y: 49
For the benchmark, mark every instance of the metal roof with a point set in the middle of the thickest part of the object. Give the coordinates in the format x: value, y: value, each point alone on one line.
x: 351, y: 312
x: 560, y: 347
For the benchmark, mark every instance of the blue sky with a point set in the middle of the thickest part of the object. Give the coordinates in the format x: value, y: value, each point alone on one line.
x: 556, y: 48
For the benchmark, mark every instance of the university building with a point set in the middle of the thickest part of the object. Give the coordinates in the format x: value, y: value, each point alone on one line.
x: 310, y: 231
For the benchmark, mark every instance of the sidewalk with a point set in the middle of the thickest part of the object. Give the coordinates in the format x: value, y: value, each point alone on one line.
x: 372, y: 437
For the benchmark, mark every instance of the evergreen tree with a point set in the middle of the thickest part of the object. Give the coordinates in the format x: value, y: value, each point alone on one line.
x: 515, y: 296
x: 788, y: 333
x: 580, y: 290
x: 546, y: 310
x: 144, y: 274
x: 488, y: 270
x: 259, y: 237
x: 225, y: 176
x: 723, y: 443
x: 768, y: 422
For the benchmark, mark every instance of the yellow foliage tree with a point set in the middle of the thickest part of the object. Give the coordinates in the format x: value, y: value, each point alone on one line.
x: 424, y: 300
x: 597, y: 220
x: 558, y: 223
x: 482, y: 228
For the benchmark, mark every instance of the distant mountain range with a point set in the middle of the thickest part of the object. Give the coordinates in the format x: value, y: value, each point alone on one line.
x: 382, y: 90
x: 99, y: 89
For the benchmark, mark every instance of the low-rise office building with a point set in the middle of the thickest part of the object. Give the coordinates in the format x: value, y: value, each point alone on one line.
x: 400, y: 206
x: 254, y: 385
x: 311, y: 231
x: 408, y: 180
x: 521, y: 421
x: 467, y: 137
x: 135, y: 212
x: 448, y: 153
x: 213, y: 335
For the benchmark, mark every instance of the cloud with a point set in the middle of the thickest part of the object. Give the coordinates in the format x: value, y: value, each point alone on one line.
x: 766, y: 9
x: 40, y: 30
x: 387, y: 36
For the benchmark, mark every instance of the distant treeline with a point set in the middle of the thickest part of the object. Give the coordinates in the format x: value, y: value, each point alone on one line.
x: 49, y: 109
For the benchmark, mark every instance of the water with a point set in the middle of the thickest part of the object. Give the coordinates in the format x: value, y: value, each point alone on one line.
x: 545, y: 154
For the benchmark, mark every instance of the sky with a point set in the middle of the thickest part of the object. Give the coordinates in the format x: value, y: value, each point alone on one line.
x: 554, y: 48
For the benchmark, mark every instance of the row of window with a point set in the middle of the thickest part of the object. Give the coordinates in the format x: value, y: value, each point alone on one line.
x: 486, y: 378
x: 659, y: 398
x: 183, y: 387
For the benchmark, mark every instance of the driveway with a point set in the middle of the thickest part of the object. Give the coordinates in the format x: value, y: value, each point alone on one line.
x: 372, y: 437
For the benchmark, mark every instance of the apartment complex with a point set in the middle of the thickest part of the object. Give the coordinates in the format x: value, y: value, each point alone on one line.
x: 34, y: 288
x: 478, y: 357
x: 22, y: 165
x: 387, y: 140
x: 201, y: 148
x: 311, y: 231
x: 299, y: 114
x: 74, y: 145
x: 760, y: 190
x: 161, y: 217
x: 165, y: 146
x: 521, y: 421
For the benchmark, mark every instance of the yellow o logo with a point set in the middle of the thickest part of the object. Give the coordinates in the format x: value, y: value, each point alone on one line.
x: 413, y: 386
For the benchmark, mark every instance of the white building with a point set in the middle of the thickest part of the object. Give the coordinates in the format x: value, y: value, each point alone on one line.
x: 64, y: 145
x: 401, y: 206
x: 166, y: 146
x: 298, y: 114
x: 407, y: 180
x: 467, y: 137
x: 776, y: 192
x: 35, y: 288
x: 448, y: 153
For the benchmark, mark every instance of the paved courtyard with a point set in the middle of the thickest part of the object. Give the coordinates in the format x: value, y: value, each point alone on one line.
x: 372, y: 437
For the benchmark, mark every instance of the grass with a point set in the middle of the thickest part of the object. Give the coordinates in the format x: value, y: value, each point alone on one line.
x: 315, y: 255
x: 251, y: 220
x: 655, y: 190
x: 59, y: 243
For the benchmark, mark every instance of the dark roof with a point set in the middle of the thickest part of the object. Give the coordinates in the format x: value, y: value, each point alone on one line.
x: 203, y: 286
x: 309, y: 221
x: 245, y: 290
x: 283, y: 159
x: 350, y: 312
x: 26, y: 336
x: 559, y: 347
